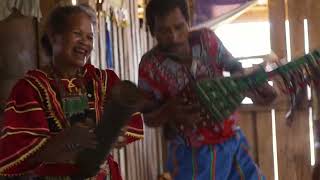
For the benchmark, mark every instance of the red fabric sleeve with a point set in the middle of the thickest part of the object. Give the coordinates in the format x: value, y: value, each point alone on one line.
x: 135, y: 128
x: 25, y: 130
x: 135, y: 125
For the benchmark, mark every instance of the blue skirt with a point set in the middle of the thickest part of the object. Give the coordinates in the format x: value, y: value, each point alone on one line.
x: 229, y: 160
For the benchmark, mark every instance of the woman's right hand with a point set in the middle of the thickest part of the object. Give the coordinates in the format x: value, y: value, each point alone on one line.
x: 80, y: 135
x: 64, y: 147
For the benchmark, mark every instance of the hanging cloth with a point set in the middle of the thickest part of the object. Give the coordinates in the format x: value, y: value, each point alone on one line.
x: 27, y: 8
x: 109, y: 53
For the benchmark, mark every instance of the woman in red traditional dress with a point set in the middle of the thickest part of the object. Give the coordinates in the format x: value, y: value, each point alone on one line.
x: 51, y: 111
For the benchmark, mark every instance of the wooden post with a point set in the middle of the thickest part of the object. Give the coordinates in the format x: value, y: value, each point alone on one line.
x: 296, y: 15
x: 277, y: 27
x: 293, y: 141
x: 247, y: 123
x: 293, y: 147
x: 264, y: 143
x: 313, y: 17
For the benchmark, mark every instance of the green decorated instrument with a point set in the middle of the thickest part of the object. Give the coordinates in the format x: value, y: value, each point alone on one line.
x: 222, y: 96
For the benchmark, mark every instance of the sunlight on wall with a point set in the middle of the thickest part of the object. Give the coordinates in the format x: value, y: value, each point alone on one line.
x: 74, y: 2
x: 246, y: 39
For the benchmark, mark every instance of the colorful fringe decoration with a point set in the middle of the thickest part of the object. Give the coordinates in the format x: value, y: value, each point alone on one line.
x: 221, y: 97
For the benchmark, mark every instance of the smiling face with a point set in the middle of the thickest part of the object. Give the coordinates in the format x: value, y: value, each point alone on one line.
x: 73, y: 46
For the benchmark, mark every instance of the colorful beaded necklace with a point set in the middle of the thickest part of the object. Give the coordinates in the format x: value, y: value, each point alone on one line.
x: 74, y: 100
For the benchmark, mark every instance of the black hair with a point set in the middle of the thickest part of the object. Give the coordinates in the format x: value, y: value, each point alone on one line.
x: 160, y: 8
x: 57, y: 22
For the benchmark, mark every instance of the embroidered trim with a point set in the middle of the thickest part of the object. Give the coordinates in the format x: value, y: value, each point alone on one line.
x: 54, y: 101
x: 213, y: 158
x: 104, y: 88
x: 136, y: 113
x: 45, y: 74
x: 50, y: 108
x: 22, y: 105
x: 24, y: 129
x: 19, y: 151
x: 21, y: 158
x: 22, y: 132
x: 104, y: 85
x: 134, y: 135
x: 194, y: 164
x: 239, y: 170
x: 22, y: 108
x: 135, y: 129
x: 35, y: 88
x: 20, y: 112
x: 97, y: 100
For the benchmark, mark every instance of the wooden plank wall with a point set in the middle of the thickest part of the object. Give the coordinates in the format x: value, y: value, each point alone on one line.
x: 257, y: 126
x: 313, y: 16
x: 293, y: 142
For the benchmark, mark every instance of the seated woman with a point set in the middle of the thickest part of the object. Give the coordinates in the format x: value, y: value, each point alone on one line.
x: 51, y: 112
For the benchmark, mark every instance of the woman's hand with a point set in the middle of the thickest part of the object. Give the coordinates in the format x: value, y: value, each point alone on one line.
x: 129, y: 95
x: 80, y: 135
x: 121, y: 140
x: 65, y: 146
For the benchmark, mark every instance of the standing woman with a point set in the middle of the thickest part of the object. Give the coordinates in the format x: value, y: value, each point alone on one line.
x: 51, y: 112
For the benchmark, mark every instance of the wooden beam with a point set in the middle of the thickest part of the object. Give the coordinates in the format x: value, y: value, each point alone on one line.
x: 296, y: 15
x: 313, y: 17
x: 293, y: 147
x: 248, y: 126
x: 227, y: 17
x: 277, y: 27
x: 264, y: 143
x: 254, y: 15
x: 293, y: 141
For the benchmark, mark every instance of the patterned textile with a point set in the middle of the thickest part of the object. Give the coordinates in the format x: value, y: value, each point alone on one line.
x: 192, y: 152
x: 163, y: 78
x: 33, y: 114
x: 229, y: 160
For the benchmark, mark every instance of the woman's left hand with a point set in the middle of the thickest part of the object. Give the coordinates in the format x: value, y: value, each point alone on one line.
x: 129, y: 95
x: 122, y: 139
x: 121, y: 142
